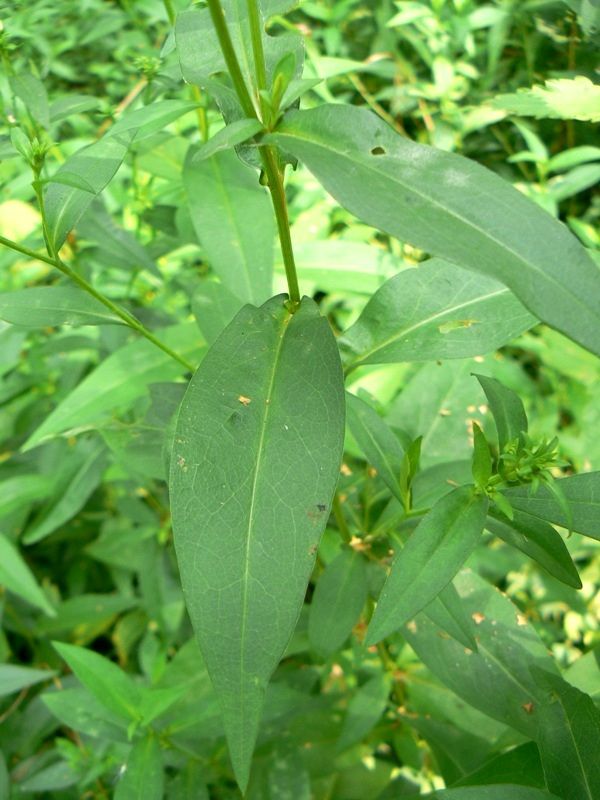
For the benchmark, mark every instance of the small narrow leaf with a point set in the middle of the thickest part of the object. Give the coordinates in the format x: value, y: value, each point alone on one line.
x: 448, y: 613
x: 437, y: 310
x: 214, y: 307
x: 109, y: 684
x: 228, y: 137
x: 377, y: 441
x: 234, y: 222
x: 507, y: 409
x: 143, y: 778
x: 482, y: 458
x: 502, y: 791
x: 266, y: 411
x: 450, y: 207
x: 16, y: 576
x: 13, y: 678
x: 339, y: 597
x: 569, y: 739
x: 436, y: 550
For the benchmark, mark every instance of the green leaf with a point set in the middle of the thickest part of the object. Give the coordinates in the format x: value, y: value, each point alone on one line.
x: 73, y: 495
x: 118, y: 382
x: 437, y: 310
x: 266, y: 409
x: 339, y: 598
x: 560, y: 98
x: 15, y: 492
x: 436, y: 550
x: 482, y: 458
x: 507, y: 409
x: 32, y: 92
x: 96, y: 165
x: 143, y: 778
x: 16, y: 576
x: 569, y: 739
x: 447, y: 612
x: 214, y: 307
x: 582, y: 493
x: 519, y: 765
x: 234, y: 223
x: 4, y: 778
x: 377, y: 441
x: 13, y: 678
x: 507, y: 647
x: 539, y: 540
x: 45, y: 306
x: 503, y: 791
x: 151, y: 118
x: 449, y: 207
x: 364, y: 710
x: 109, y: 684
x: 288, y: 778
x: 228, y: 137
x: 80, y: 710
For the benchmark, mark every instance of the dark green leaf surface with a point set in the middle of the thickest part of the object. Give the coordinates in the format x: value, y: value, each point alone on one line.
x: 582, y: 493
x: 520, y: 765
x: 537, y: 539
x: 507, y: 409
x: 437, y: 310
x: 569, y: 739
x: 503, y: 791
x: 447, y: 612
x: 507, y: 647
x: 95, y: 165
x: 339, y: 597
x: 143, y: 778
x: 233, y: 219
x: 214, y: 307
x: 450, y: 207
x: 44, y: 306
x: 436, y: 550
x: 255, y: 463
x: 377, y: 441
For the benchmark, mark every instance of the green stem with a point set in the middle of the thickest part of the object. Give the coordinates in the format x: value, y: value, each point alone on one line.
x: 228, y: 50
x: 257, y: 44
x: 338, y: 513
x: 277, y: 189
x: 124, y: 315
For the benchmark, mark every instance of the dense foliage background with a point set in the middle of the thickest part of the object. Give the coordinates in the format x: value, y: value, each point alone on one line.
x: 86, y: 412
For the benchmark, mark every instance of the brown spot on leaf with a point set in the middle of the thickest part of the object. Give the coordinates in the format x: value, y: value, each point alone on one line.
x: 477, y: 617
x: 528, y: 707
x: 245, y: 401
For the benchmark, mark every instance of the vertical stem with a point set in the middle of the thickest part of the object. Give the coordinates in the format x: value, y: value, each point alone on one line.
x: 257, y: 44
x: 340, y: 519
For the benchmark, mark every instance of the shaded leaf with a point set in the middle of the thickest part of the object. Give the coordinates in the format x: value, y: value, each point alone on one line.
x: 45, y: 306
x: 16, y: 576
x: 13, y: 677
x: 143, y: 778
x: 364, y: 710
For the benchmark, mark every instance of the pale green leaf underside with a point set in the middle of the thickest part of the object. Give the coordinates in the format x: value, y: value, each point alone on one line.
x: 450, y: 207
x: 255, y: 462
x: 436, y: 311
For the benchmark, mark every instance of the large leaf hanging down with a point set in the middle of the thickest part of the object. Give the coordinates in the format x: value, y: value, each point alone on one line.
x: 450, y: 207
x: 233, y: 219
x: 436, y: 311
x: 569, y: 739
x: 582, y: 493
x: 435, y: 552
x: 255, y: 462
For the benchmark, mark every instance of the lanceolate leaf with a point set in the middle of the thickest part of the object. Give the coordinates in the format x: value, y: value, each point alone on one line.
x: 437, y: 310
x: 450, y: 207
x: 507, y: 409
x: 448, y: 613
x: 339, y: 597
x: 16, y: 576
x: 435, y: 552
x: 569, y: 739
x: 254, y: 467
x: 377, y: 441
x: 95, y: 165
x: 582, y: 493
x: 43, y: 306
x: 502, y: 791
x: 537, y: 539
x: 234, y: 222
x: 143, y: 778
